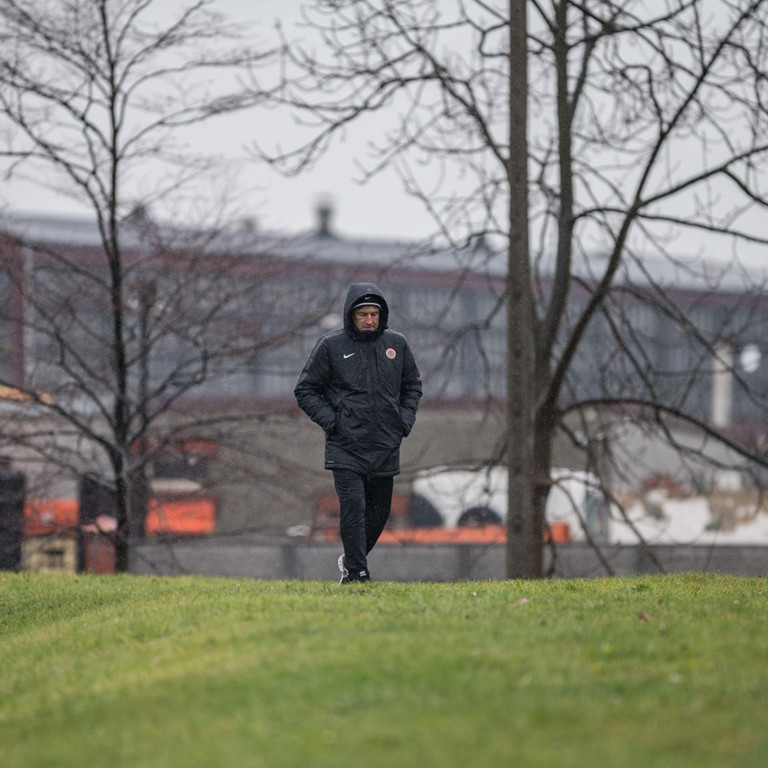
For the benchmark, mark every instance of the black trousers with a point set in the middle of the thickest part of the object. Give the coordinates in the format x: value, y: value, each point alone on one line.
x: 364, y: 503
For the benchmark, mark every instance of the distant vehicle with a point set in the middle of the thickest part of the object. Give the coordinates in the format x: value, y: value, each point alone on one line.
x: 452, y: 498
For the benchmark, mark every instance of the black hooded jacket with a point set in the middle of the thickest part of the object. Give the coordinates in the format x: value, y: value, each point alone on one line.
x: 363, y: 389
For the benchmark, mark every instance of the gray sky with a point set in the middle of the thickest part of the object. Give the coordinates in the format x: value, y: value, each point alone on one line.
x: 378, y: 209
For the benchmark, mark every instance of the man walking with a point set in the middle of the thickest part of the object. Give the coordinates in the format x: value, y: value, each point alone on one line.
x: 361, y: 384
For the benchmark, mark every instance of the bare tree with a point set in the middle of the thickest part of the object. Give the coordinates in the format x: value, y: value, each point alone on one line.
x: 96, y: 96
x: 647, y: 129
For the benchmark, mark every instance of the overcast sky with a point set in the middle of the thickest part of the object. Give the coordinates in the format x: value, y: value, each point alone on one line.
x: 378, y: 209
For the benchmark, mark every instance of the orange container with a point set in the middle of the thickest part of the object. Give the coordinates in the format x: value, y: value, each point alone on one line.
x: 559, y: 533
x: 43, y: 517
x: 188, y: 517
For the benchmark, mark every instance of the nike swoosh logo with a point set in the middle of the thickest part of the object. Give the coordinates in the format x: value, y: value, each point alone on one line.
x: 349, y: 355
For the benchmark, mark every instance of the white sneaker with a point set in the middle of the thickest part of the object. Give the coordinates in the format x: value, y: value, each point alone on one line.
x: 343, y: 569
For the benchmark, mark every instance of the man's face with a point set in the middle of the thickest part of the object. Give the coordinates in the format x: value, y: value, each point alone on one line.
x: 366, y: 318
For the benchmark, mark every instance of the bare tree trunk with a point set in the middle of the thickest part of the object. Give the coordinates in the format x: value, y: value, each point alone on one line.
x: 121, y: 425
x: 524, y: 529
x: 546, y: 416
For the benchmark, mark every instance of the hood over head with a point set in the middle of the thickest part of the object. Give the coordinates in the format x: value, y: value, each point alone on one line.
x: 358, y: 295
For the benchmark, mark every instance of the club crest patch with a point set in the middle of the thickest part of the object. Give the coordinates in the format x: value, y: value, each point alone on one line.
x: 390, y: 353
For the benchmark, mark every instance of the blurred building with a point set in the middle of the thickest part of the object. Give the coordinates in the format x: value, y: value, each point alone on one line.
x: 694, y: 334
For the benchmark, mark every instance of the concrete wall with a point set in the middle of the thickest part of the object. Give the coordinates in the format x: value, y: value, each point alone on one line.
x: 286, y: 475
x: 411, y: 562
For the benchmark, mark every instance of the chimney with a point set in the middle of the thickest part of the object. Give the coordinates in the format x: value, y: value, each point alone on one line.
x: 324, y: 212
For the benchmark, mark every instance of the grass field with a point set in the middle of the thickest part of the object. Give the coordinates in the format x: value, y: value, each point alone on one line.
x: 140, y: 671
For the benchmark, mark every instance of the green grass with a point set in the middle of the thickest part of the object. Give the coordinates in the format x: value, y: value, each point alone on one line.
x: 139, y: 671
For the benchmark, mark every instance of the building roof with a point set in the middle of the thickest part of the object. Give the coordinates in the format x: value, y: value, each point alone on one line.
x: 323, y: 247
